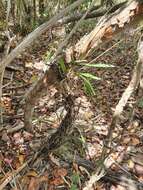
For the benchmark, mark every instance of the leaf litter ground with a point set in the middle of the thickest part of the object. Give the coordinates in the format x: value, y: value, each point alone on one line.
x: 71, y: 165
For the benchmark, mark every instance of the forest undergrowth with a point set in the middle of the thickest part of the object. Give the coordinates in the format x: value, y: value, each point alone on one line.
x: 70, y: 165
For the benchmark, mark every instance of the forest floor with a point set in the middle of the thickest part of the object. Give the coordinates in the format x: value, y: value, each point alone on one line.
x: 70, y: 166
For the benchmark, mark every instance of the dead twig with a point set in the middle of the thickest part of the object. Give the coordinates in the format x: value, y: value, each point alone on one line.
x: 126, y: 95
x: 118, y: 110
x: 32, y: 36
x: 12, y: 176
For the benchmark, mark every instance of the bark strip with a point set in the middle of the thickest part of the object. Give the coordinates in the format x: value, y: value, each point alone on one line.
x: 118, y: 22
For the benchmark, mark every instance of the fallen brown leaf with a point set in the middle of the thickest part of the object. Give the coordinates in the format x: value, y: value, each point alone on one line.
x: 62, y: 172
x: 57, y: 181
x: 34, y: 184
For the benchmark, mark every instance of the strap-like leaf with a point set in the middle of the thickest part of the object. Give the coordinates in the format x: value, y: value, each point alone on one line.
x: 88, y: 86
x: 90, y: 76
x: 99, y: 65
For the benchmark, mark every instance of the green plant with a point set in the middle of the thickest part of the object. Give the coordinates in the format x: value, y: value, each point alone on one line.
x: 88, y: 77
x: 99, y: 65
x: 88, y: 87
x: 62, y: 66
x: 47, y: 56
x: 75, y: 179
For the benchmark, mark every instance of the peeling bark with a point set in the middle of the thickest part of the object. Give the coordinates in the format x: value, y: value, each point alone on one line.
x: 118, y: 22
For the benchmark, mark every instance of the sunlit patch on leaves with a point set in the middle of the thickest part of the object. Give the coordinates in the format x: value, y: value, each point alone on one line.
x: 47, y: 56
x: 29, y: 64
x: 40, y: 65
x: 99, y: 65
x: 130, y: 164
x: 90, y: 76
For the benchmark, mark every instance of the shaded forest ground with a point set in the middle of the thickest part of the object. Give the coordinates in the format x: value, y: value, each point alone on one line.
x: 69, y: 166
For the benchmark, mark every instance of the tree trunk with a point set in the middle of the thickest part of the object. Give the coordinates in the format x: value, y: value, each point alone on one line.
x: 41, y: 7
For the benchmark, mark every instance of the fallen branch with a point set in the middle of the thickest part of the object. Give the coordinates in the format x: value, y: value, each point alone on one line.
x: 127, y: 94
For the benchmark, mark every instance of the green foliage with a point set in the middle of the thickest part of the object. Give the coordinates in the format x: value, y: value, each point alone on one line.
x: 86, y: 4
x: 62, y: 66
x: 73, y: 187
x: 34, y: 24
x: 82, y: 139
x: 75, y: 179
x: 99, y: 65
x: 89, y: 76
x: 88, y: 86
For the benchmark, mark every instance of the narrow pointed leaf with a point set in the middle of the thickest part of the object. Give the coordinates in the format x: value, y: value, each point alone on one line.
x: 62, y: 65
x: 99, y: 65
x: 90, y: 76
x: 88, y: 86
